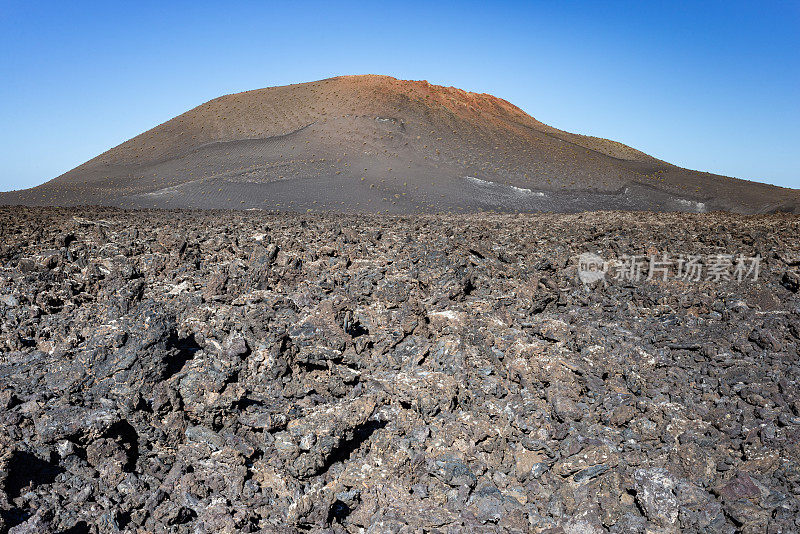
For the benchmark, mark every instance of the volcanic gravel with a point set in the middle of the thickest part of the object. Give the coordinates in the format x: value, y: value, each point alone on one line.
x: 166, y: 371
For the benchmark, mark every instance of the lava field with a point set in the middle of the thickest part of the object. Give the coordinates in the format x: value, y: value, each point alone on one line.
x: 219, y: 371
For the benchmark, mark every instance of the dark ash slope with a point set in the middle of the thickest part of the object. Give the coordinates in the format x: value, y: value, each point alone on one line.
x: 374, y: 143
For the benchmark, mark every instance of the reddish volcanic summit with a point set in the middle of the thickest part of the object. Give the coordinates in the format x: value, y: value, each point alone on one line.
x: 375, y: 144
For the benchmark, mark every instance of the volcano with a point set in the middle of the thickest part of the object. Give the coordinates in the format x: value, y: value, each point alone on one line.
x: 378, y: 144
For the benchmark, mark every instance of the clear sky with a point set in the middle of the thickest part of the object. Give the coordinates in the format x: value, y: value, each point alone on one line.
x: 707, y: 85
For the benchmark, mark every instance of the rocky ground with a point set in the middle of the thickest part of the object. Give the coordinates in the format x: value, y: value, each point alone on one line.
x: 251, y: 372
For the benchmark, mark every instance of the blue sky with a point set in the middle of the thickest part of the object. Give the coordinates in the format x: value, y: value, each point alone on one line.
x: 709, y: 85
